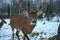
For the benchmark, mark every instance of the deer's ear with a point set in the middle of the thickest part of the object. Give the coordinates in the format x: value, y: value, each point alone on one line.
x: 26, y: 13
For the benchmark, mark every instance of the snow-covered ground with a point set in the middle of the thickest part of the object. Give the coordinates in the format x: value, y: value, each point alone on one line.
x: 48, y: 29
x: 45, y: 29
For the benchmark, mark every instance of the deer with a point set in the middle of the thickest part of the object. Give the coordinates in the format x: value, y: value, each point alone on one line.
x: 28, y: 21
x: 24, y: 23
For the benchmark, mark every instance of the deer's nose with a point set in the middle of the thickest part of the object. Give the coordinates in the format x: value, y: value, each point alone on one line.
x: 34, y: 21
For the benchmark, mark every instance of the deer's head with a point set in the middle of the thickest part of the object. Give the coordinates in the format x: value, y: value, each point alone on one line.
x: 33, y: 16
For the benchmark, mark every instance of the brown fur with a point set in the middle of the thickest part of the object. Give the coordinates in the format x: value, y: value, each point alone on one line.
x: 22, y: 23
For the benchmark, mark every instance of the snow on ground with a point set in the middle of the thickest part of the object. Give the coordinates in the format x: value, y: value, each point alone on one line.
x: 5, y: 32
x: 47, y: 28
x: 8, y: 21
x: 55, y: 18
x: 50, y: 28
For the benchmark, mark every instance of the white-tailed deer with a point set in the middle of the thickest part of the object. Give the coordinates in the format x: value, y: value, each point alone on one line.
x: 23, y: 23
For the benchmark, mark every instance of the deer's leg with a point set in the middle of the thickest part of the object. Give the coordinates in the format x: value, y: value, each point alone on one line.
x: 12, y: 33
x: 17, y: 34
x: 25, y: 35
